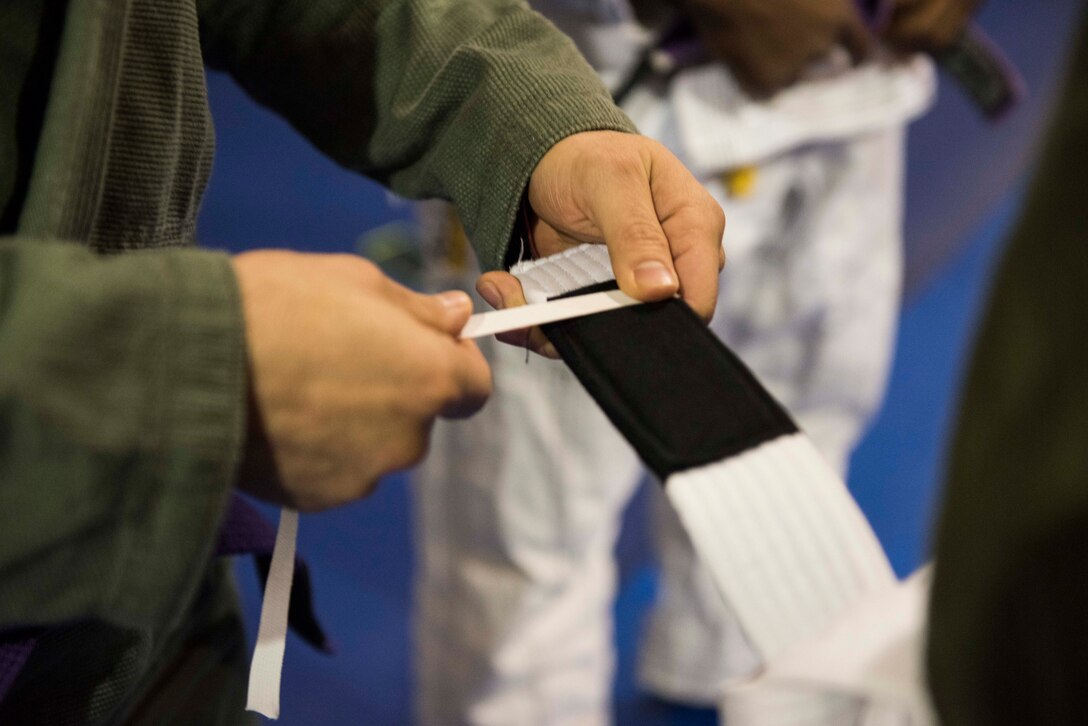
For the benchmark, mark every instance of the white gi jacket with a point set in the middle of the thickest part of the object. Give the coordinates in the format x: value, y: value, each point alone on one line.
x: 518, y: 509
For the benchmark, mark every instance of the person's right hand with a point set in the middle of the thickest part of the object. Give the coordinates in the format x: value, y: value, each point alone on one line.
x: 347, y: 372
x: 768, y: 45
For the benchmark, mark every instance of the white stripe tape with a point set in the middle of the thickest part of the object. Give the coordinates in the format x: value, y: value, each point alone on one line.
x: 267, y: 663
x: 526, y: 316
x: 266, y: 667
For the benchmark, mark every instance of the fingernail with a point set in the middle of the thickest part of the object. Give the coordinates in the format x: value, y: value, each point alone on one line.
x: 454, y: 300
x: 653, y: 274
x: 491, y: 294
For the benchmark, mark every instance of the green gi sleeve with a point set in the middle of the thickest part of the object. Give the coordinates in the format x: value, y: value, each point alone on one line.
x: 456, y: 100
x: 121, y: 420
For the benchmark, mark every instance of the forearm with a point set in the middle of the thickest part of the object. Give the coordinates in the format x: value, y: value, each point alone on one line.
x: 457, y: 100
x: 121, y: 405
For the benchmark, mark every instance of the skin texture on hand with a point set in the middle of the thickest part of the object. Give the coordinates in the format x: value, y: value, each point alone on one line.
x: 768, y: 45
x: 662, y: 228
x: 927, y: 26
x: 348, y: 371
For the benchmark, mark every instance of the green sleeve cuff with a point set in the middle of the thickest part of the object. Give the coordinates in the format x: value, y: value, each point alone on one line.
x: 122, y: 384
x: 490, y: 213
x: 173, y: 524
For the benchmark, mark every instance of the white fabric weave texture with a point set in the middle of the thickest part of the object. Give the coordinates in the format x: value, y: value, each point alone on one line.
x: 575, y: 268
x: 783, y: 538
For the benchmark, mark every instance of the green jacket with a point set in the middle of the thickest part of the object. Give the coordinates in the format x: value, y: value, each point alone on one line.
x: 122, y: 376
x: 1009, y: 611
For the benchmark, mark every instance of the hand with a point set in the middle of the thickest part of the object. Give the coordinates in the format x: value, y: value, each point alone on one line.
x: 927, y: 26
x: 663, y: 230
x: 768, y: 45
x: 348, y: 371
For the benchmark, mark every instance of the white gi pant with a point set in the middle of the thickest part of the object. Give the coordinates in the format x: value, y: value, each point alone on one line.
x: 518, y: 508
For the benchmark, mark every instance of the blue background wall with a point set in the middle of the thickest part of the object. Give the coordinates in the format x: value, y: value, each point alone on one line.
x: 270, y: 189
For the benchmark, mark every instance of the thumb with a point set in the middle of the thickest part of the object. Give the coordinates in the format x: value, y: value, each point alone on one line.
x: 447, y: 311
x: 640, y: 252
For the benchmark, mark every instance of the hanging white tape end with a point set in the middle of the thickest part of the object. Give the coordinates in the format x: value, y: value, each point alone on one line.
x: 266, y: 667
x: 264, y: 690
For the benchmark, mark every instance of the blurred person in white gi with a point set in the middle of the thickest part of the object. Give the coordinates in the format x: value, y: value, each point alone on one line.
x: 794, y: 119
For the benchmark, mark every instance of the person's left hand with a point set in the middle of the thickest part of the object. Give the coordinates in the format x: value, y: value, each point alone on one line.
x: 927, y: 26
x: 662, y: 228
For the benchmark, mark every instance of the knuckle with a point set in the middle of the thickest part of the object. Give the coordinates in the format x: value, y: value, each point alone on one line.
x: 716, y: 214
x: 364, y: 271
x: 480, y: 386
x: 642, y: 234
x: 441, y: 385
x: 406, y: 449
x: 624, y: 159
x: 466, y: 386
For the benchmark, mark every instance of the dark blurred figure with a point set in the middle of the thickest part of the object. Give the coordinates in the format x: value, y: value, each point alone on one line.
x: 1009, y: 613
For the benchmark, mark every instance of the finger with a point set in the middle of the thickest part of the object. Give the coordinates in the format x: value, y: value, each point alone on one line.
x: 622, y: 207
x: 695, y: 225
x: 457, y: 307
x: 928, y: 26
x: 763, y: 79
x: 698, y: 267
x: 472, y: 377
x: 502, y: 290
x: 856, y: 37
x: 447, y: 311
x: 949, y: 23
